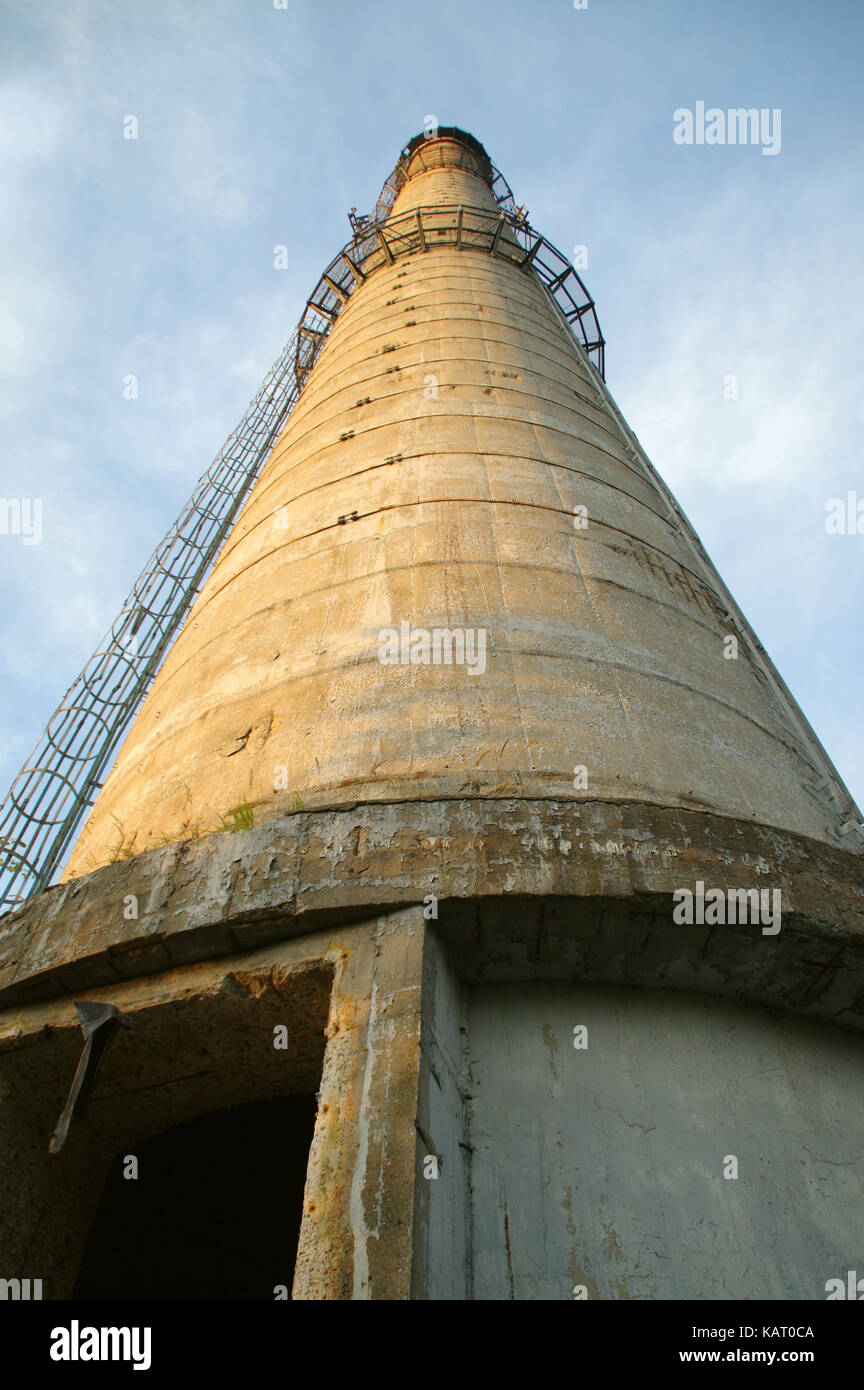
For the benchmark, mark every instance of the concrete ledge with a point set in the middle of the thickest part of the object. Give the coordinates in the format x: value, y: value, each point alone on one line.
x: 235, y: 892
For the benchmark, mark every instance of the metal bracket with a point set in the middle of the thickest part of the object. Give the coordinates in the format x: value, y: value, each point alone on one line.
x: 99, y: 1023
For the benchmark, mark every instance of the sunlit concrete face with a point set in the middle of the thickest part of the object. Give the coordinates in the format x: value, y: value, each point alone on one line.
x: 453, y: 414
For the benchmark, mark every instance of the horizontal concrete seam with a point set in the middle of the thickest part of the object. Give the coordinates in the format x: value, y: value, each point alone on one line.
x: 163, y: 736
x: 407, y: 349
x: 522, y: 417
x: 209, y: 594
x: 271, y: 477
x: 407, y: 458
x: 461, y: 327
x: 420, y: 297
x: 469, y: 281
x: 299, y: 440
x: 475, y: 315
x: 362, y: 326
x: 417, y: 566
x: 345, y: 362
x: 491, y: 367
x: 319, y: 456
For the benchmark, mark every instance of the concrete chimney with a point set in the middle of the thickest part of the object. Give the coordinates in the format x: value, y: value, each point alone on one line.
x: 468, y: 811
x: 454, y: 465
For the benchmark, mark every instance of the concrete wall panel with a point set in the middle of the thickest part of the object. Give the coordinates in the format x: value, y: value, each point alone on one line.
x: 604, y: 1167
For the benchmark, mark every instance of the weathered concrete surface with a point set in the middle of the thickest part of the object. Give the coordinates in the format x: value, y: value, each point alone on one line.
x: 604, y: 1167
x: 442, y: 1209
x: 452, y: 411
x: 562, y: 865
x: 357, y: 1236
x: 202, y: 1041
x: 556, y: 1167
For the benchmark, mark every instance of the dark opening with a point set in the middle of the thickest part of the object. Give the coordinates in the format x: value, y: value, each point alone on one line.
x: 214, y: 1212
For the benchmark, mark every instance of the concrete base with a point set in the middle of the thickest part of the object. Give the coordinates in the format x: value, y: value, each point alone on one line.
x: 464, y: 1147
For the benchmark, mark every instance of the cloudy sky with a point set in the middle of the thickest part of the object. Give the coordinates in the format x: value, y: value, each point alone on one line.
x: 260, y: 126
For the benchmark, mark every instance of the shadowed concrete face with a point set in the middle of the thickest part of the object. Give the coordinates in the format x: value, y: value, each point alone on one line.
x: 430, y: 480
x: 639, y: 1144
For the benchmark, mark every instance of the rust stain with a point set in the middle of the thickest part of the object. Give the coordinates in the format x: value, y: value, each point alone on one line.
x: 611, y: 1246
x: 551, y: 1047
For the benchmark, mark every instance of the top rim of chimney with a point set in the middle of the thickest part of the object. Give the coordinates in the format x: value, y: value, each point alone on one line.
x: 452, y: 134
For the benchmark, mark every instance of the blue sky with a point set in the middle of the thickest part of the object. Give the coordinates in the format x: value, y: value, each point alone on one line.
x: 260, y: 127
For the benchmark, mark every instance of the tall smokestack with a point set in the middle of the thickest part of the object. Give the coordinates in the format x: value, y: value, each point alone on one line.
x: 454, y: 466
x: 467, y: 829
